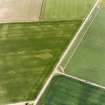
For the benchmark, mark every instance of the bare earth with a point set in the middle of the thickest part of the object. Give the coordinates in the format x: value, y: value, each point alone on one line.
x: 19, y: 10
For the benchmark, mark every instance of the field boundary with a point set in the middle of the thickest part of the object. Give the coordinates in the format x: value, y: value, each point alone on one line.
x: 41, y: 9
x: 82, y: 80
x: 21, y: 103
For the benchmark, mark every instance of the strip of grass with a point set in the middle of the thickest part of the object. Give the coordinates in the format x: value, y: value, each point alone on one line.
x: 65, y: 91
x: 65, y: 9
x: 28, y: 53
x: 89, y: 60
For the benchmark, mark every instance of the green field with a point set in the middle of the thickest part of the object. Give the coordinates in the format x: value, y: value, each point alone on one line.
x: 88, y: 62
x: 65, y: 9
x: 65, y: 91
x: 28, y: 53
